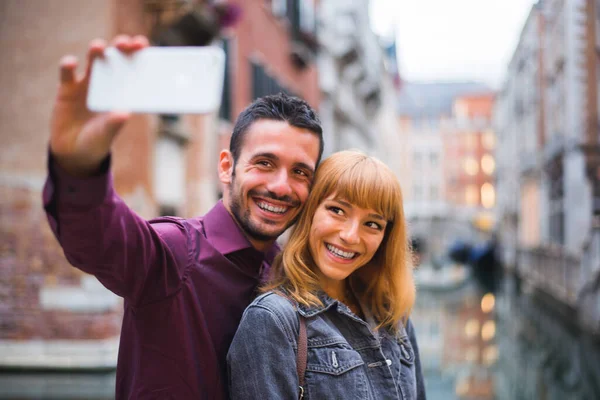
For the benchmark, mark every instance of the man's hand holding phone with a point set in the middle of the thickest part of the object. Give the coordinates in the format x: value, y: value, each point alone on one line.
x: 79, y: 138
x: 127, y: 77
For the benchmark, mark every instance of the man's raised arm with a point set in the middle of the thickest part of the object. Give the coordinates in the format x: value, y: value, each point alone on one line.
x: 135, y: 259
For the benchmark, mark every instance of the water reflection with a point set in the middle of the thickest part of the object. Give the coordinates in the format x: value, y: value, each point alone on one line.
x: 456, y: 330
x: 57, y: 385
x: 544, y: 353
x: 517, y: 345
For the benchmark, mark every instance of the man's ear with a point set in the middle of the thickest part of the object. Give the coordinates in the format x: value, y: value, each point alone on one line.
x: 225, y: 167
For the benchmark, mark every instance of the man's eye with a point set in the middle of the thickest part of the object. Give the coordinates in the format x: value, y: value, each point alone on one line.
x: 264, y: 163
x: 301, y: 173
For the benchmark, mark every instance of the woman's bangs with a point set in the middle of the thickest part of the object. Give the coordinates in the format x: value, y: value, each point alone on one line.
x: 369, y: 186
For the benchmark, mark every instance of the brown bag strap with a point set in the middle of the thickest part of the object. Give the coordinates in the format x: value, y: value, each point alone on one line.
x: 302, y: 354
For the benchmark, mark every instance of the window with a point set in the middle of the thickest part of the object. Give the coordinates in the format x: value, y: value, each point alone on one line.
x: 471, y: 195
x: 169, y: 174
x: 488, y: 330
x: 279, y: 7
x: 417, y: 192
x: 490, y: 354
x: 596, y: 194
x: 263, y: 84
x: 301, y: 14
x: 472, y: 328
x: 307, y: 16
x: 225, y: 109
x: 470, y: 141
x: 167, y: 210
x: 488, y: 165
x: 489, y: 140
x: 488, y: 195
x: 417, y: 159
x: 433, y: 193
x: 470, y: 166
x: 433, y: 159
x: 556, y: 222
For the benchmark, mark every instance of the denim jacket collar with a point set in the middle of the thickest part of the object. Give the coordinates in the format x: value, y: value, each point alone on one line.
x: 328, y: 302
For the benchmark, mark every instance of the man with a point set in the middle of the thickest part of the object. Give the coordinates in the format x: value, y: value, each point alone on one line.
x: 185, y: 282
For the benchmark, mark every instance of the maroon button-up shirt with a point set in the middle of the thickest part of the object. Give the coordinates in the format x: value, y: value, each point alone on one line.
x: 186, y: 283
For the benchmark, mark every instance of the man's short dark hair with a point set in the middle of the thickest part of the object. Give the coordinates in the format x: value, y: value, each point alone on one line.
x: 278, y: 107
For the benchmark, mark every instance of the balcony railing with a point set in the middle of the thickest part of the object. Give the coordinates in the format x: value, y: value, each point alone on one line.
x: 553, y: 270
x: 589, y: 293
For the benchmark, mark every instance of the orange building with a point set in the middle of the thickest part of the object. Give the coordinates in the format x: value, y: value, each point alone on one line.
x: 468, y: 148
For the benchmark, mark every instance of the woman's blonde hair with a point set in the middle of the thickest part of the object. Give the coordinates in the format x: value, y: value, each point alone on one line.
x: 385, y: 284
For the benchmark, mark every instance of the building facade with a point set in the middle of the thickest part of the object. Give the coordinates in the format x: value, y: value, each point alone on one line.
x: 52, y: 315
x: 357, y: 91
x: 468, y: 146
x: 548, y: 179
x: 439, y: 125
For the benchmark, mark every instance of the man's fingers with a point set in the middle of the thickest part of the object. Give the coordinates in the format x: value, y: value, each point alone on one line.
x: 128, y: 44
x: 102, y: 129
x: 68, y: 65
x: 123, y: 43
x: 95, y: 50
x: 113, y: 123
x: 140, y: 42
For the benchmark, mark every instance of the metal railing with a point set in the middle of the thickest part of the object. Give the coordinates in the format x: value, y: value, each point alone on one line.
x: 552, y: 269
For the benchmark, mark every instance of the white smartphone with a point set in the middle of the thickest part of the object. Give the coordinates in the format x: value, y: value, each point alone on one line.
x: 162, y: 80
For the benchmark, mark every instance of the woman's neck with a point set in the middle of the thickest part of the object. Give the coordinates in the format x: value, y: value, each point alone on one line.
x: 342, y: 291
x: 335, y: 290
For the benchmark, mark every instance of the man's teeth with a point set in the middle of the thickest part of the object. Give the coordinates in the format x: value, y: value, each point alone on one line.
x: 269, y: 207
x: 340, y: 253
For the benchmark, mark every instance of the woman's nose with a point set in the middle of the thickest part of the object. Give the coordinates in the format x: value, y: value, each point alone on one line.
x: 349, y: 232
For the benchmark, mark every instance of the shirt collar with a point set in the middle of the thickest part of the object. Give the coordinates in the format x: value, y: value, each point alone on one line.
x: 226, y: 236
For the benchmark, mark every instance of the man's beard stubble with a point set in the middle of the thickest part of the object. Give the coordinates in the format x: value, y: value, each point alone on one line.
x: 243, y: 217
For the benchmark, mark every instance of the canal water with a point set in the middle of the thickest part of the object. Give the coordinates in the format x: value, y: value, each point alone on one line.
x: 511, y: 345
x: 516, y: 344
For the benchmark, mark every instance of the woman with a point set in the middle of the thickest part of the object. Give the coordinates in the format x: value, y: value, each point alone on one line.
x: 346, y: 274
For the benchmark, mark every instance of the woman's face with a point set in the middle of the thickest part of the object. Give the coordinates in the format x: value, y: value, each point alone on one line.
x: 343, y: 238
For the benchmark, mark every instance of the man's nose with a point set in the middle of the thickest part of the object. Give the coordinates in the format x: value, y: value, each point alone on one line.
x: 349, y: 233
x: 279, y: 184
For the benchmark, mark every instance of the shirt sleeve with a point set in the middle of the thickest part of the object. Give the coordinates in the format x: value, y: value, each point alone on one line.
x: 419, y: 372
x: 139, y: 260
x: 262, y: 358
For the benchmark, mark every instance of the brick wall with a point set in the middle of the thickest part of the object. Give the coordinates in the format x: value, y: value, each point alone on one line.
x: 262, y: 37
x: 33, y: 37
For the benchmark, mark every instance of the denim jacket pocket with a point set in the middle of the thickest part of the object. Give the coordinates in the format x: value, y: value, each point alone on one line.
x: 407, y: 354
x: 407, y: 372
x: 335, y: 372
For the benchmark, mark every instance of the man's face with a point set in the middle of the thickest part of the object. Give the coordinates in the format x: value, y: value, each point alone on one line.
x: 271, y: 179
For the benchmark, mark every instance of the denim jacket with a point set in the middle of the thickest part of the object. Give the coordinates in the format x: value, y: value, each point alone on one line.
x: 346, y: 359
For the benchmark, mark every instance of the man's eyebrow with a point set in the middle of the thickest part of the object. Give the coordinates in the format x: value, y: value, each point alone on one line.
x: 272, y: 156
x: 372, y: 215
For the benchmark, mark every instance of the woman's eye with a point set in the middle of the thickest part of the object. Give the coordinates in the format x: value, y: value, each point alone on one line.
x: 336, y: 210
x: 374, y: 225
